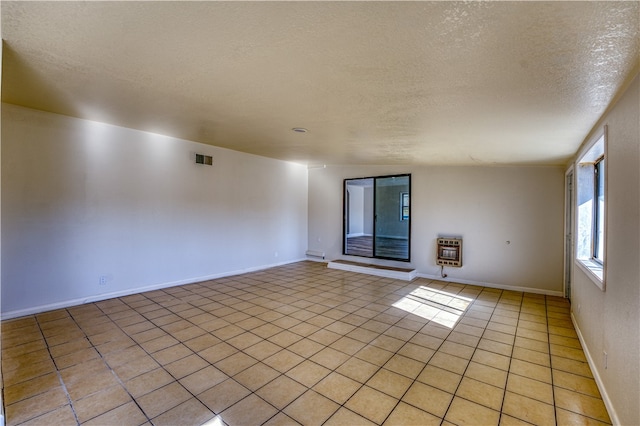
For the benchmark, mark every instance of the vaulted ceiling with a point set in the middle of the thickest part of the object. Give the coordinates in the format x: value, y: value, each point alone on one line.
x: 372, y: 82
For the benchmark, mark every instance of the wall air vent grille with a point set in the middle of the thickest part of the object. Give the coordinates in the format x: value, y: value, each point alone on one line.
x: 204, y: 159
x: 449, y: 252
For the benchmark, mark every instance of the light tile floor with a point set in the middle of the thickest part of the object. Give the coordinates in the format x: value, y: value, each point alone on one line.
x: 302, y: 344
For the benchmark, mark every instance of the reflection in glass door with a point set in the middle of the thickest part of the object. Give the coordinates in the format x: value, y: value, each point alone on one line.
x: 377, y: 217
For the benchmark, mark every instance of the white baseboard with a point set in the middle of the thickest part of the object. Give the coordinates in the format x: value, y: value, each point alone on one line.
x: 493, y: 285
x: 104, y: 296
x: 603, y: 391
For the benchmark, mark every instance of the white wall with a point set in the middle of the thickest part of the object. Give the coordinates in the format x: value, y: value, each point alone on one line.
x: 81, y: 200
x: 487, y: 206
x: 609, y: 320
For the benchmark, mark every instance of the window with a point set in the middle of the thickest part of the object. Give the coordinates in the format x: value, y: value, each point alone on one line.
x: 591, y: 211
x: 404, y: 206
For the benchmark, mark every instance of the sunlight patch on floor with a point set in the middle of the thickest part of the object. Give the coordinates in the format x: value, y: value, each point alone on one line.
x: 435, y: 305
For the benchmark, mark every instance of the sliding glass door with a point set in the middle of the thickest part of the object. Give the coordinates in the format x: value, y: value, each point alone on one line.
x: 377, y: 220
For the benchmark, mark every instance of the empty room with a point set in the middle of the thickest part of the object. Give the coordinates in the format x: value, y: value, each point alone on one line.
x: 320, y: 213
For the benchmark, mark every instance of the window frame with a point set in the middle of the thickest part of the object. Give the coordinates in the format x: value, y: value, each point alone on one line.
x: 589, y: 223
x: 598, y: 174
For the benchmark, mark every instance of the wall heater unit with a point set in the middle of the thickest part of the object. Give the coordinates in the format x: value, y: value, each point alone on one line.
x: 449, y: 252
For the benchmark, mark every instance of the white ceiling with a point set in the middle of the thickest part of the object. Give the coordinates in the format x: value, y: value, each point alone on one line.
x: 373, y: 82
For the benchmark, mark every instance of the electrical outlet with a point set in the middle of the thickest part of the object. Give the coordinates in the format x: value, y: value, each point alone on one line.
x: 102, y: 280
x: 605, y: 359
x: 276, y: 254
x: 579, y: 307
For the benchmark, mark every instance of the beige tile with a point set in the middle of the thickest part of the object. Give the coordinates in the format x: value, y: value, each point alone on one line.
x: 76, y: 357
x: 262, y: 350
x: 571, y: 366
x: 532, y: 334
x: 406, y: 366
x: 563, y: 331
x: 487, y: 374
x: 124, y: 356
x: 90, y: 383
x: 223, y: 395
x: 330, y: 358
x: 496, y: 347
x: 308, y: 373
x: 252, y: 410
x: 283, y: 361
x: 463, y: 412
x: 306, y: 347
x: 506, y: 420
x: 491, y: 359
x: 372, y: 404
x: 201, y: 343
x: 217, y: 352
x: 135, y: 367
x: 363, y: 335
x: 532, y: 371
x: 480, y: 393
x: 567, y: 352
x: 28, y: 372
x: 325, y: 337
x: 464, y: 339
x: 358, y: 370
x: 203, y: 379
x: 171, y: 354
x: 163, y: 399
x: 534, y: 345
x: 84, y: 370
x: 190, y: 412
x: 531, y: 388
x: 30, y: 388
x: 416, y: 352
x: 532, y: 356
x: 581, y: 404
x: 428, y: 399
x: 390, y: 383
x: 374, y: 355
x: 235, y: 363
x: 347, y: 345
x: 405, y: 414
x: 457, y: 349
x: 280, y: 419
x: 100, y: 402
x: 60, y: 416
x: 21, y: 350
x: 440, y: 378
x: 282, y: 391
x: 575, y: 383
x: 256, y: 376
x: 498, y: 336
x: 571, y: 342
x: 69, y: 347
x: 388, y: 343
x: 344, y: 416
x: 569, y: 418
x: 148, y: 382
x: 185, y: 366
x: 35, y: 406
x: 311, y: 408
x: 528, y: 409
x: 449, y: 362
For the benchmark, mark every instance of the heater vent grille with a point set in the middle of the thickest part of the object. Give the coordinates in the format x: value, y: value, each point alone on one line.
x: 449, y: 252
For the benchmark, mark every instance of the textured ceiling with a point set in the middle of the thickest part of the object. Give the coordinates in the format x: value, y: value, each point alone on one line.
x: 373, y: 82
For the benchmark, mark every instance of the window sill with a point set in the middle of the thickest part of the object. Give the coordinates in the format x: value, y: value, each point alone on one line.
x: 594, y: 270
